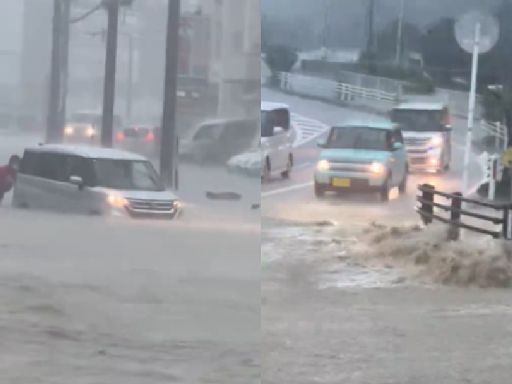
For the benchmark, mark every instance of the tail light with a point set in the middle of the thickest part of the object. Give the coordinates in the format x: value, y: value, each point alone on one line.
x: 150, y: 136
x: 119, y: 136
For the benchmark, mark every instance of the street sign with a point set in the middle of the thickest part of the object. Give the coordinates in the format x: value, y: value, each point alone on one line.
x: 506, y: 158
x: 465, y: 31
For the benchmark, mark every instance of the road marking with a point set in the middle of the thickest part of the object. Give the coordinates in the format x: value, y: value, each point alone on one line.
x: 286, y: 189
x: 307, y: 129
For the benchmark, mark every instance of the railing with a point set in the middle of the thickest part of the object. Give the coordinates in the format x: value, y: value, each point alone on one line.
x: 429, y: 209
x: 332, y: 90
x: 497, y: 130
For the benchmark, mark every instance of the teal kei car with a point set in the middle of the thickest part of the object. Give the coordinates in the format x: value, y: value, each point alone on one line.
x: 362, y: 156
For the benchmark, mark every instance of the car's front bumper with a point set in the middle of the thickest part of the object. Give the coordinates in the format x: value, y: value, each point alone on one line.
x: 358, y: 181
x: 425, y: 159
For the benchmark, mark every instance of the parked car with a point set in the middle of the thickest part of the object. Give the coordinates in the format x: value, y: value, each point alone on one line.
x: 276, y: 140
x: 428, y: 135
x: 216, y: 141
x: 362, y: 156
x: 91, y: 180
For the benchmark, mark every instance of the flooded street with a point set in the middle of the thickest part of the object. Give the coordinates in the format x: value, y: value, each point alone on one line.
x: 329, y: 316
x: 88, y: 299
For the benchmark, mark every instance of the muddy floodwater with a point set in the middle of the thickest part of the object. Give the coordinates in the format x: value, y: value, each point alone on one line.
x: 94, y: 300
x: 400, y: 306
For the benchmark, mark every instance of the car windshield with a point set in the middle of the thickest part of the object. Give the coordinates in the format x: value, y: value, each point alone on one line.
x: 418, y: 120
x: 275, y: 118
x: 358, y: 138
x: 127, y: 175
x: 86, y: 118
x: 208, y: 132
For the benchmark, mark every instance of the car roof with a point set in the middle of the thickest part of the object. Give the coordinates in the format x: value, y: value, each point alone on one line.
x: 375, y: 124
x: 269, y: 106
x: 421, y: 106
x: 87, y: 151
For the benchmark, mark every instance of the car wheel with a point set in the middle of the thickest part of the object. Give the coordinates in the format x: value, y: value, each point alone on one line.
x: 386, y: 187
x: 319, y: 190
x: 286, y: 174
x: 402, y: 188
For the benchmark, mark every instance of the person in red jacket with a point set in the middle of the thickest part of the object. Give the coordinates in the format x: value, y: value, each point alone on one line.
x: 8, y: 175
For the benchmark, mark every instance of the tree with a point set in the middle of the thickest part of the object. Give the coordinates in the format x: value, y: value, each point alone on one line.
x: 280, y: 58
x: 442, y: 55
x: 386, y: 40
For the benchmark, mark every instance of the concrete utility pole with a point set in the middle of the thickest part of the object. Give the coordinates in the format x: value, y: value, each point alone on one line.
x: 399, y: 33
x: 169, y: 144
x: 370, y: 45
x: 59, y: 72
x: 109, y: 89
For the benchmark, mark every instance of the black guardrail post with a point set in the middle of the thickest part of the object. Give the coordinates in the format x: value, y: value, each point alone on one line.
x: 455, y: 214
x: 427, y: 206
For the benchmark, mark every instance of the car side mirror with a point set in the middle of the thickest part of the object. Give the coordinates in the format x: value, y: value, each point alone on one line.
x: 397, y: 146
x: 78, y: 181
x: 278, y: 131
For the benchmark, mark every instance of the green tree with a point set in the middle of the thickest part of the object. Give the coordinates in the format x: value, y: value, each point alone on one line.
x: 280, y: 58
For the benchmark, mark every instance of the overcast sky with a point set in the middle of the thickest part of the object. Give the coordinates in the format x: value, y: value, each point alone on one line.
x: 347, y: 17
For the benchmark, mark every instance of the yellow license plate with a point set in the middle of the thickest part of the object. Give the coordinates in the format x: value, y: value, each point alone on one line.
x: 342, y: 183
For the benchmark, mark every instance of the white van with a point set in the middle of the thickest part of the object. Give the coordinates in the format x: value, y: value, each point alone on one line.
x: 89, y: 180
x: 276, y: 140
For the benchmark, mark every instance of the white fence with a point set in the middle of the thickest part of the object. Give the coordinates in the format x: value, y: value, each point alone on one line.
x: 331, y: 90
x: 494, y: 134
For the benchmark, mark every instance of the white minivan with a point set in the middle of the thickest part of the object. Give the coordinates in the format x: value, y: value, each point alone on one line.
x: 276, y: 140
x: 90, y: 180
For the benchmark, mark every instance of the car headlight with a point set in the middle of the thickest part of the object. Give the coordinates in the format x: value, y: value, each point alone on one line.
x: 436, y: 141
x: 69, y: 130
x: 323, y: 166
x: 177, y: 205
x: 117, y: 201
x: 90, y: 132
x: 377, y: 168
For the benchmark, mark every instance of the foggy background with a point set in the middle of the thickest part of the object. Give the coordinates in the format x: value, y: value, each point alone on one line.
x: 214, y: 36
x: 346, y: 19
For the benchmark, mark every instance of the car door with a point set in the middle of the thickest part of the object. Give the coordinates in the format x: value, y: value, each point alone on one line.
x: 45, y: 188
x: 79, y: 199
x: 399, y: 156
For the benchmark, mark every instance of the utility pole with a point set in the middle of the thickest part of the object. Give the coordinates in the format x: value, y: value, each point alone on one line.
x: 110, y: 72
x: 64, y: 65
x: 370, y: 45
x: 129, y: 80
x: 169, y: 147
x: 58, y: 73
x: 399, y: 33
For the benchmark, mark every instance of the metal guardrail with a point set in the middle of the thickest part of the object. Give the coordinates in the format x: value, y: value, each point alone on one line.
x: 429, y: 208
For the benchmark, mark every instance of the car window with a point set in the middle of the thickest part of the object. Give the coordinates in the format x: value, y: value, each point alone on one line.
x: 77, y: 166
x: 359, y: 138
x: 29, y: 163
x: 418, y: 120
x: 397, y: 136
x: 208, y: 132
x: 126, y: 175
x: 272, y: 119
